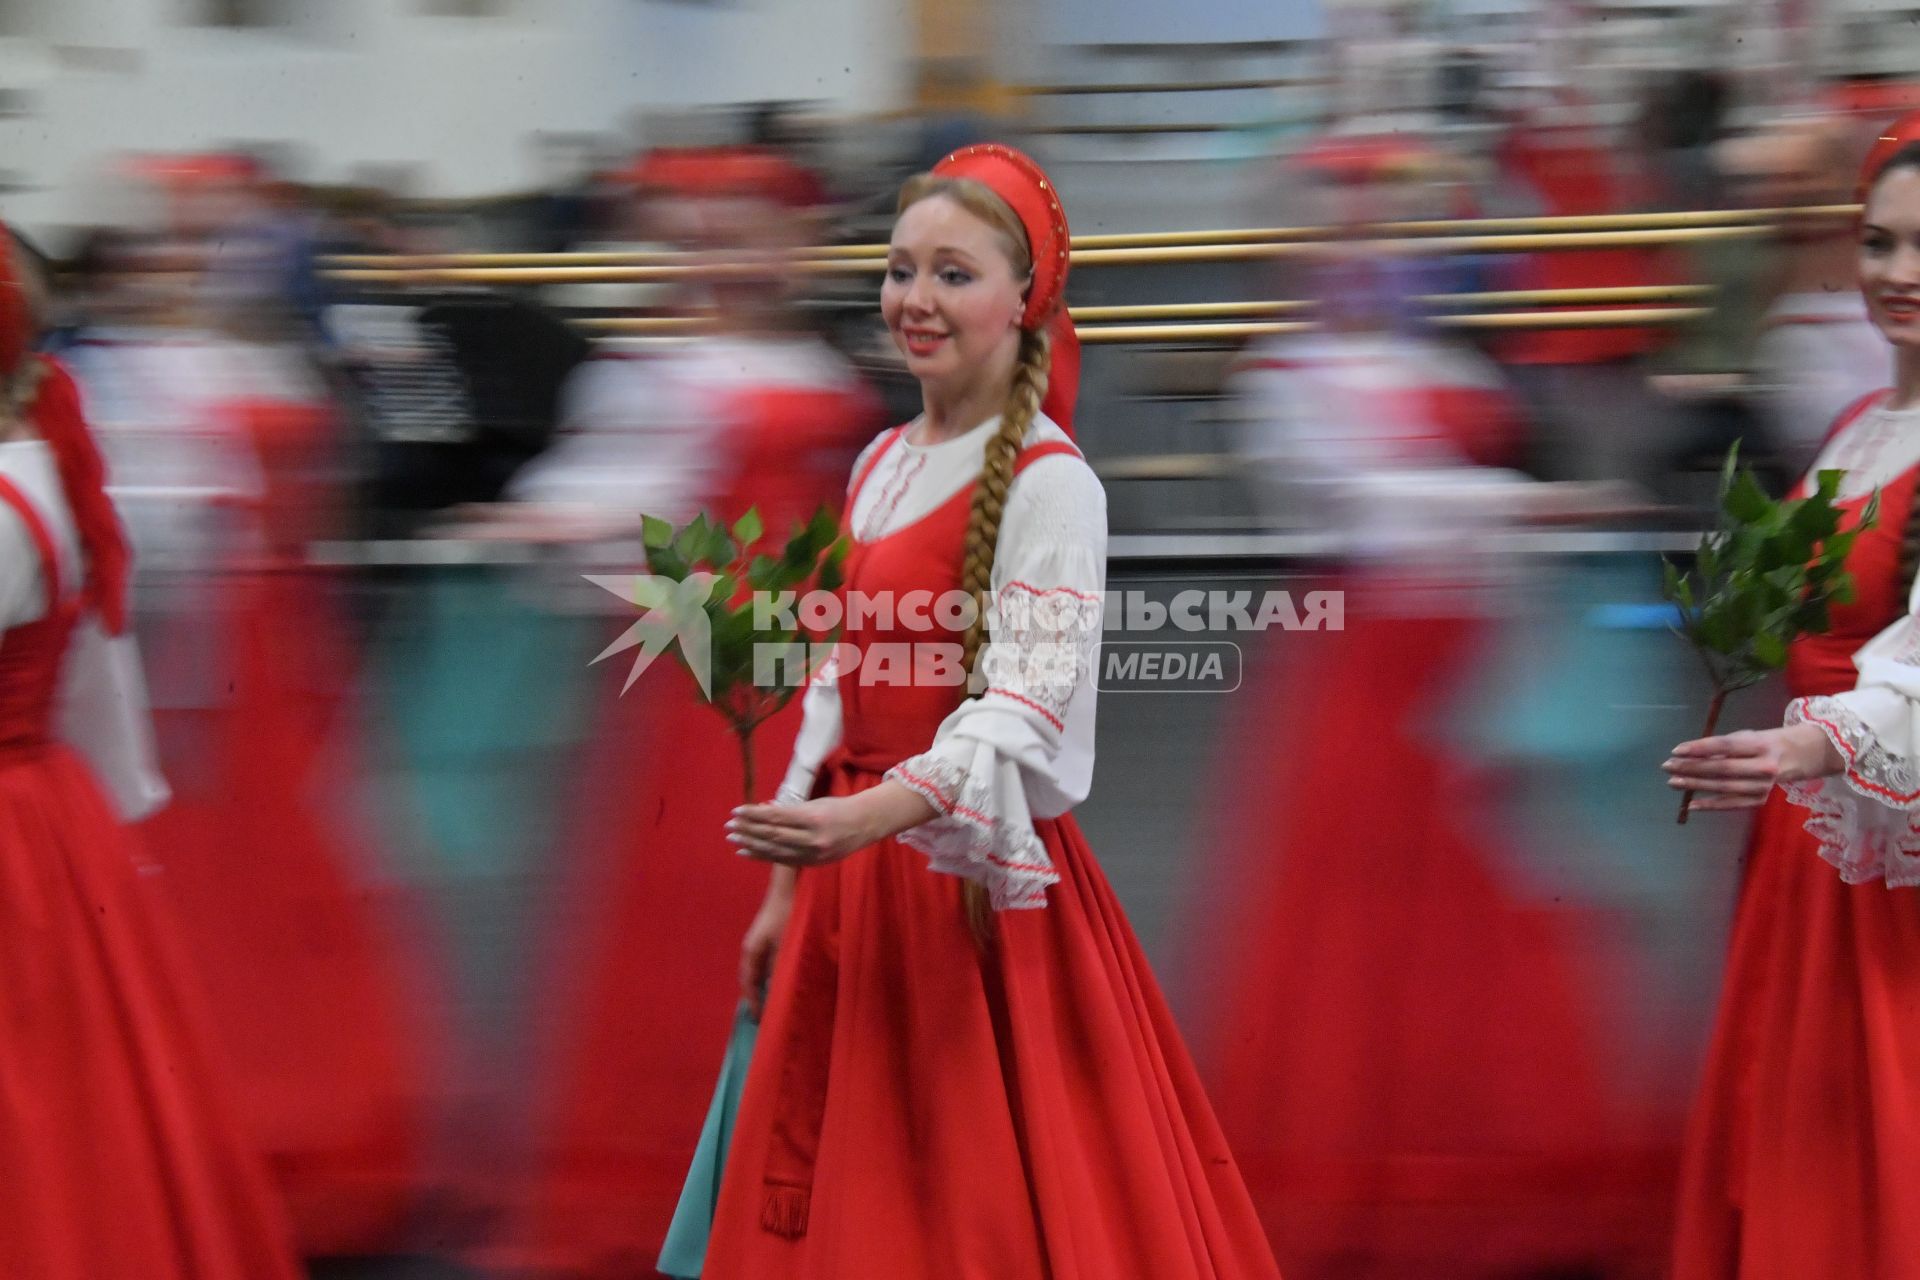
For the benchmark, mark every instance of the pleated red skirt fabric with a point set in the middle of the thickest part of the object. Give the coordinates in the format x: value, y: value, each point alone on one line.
x: 314, y: 963
x: 1405, y: 1041
x: 1023, y: 1113
x: 1805, y: 1140
x: 120, y: 1154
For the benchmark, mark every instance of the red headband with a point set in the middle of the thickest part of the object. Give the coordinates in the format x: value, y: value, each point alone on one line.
x: 1892, y: 140
x: 726, y: 171
x: 1015, y: 178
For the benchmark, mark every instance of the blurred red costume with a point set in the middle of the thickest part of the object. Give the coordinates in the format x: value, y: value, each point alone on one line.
x: 1401, y: 1040
x: 640, y: 983
x: 120, y: 1153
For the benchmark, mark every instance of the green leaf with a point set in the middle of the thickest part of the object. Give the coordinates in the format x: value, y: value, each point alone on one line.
x: 832, y: 577
x: 763, y: 573
x: 748, y: 529
x: 721, y: 549
x: 1790, y: 549
x: 1770, y: 650
x: 1745, y: 500
x: 655, y: 532
x: 1715, y: 631
x: 666, y: 562
x: 1814, y: 518
x: 692, y: 539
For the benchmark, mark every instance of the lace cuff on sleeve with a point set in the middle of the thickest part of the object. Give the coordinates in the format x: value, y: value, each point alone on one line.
x: 985, y: 830
x: 1867, y: 818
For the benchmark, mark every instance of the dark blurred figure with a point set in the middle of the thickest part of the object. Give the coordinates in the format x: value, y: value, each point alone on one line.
x: 561, y: 214
x: 1706, y: 371
x: 452, y: 388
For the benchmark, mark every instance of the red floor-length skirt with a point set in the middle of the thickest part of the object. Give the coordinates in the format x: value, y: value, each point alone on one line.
x: 313, y: 961
x: 1806, y: 1136
x: 120, y: 1155
x: 1403, y: 1041
x: 1030, y: 1113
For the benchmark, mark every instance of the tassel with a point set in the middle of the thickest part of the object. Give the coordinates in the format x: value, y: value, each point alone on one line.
x: 784, y: 1212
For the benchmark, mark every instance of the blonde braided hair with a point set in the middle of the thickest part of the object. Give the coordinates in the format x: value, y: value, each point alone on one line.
x: 1024, y: 396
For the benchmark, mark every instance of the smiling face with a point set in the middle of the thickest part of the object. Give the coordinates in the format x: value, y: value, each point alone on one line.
x: 953, y: 292
x: 1890, y: 254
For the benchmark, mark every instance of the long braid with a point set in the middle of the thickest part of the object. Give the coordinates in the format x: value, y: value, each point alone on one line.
x: 983, y: 537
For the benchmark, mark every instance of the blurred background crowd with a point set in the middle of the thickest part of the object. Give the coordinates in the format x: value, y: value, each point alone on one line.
x: 393, y: 317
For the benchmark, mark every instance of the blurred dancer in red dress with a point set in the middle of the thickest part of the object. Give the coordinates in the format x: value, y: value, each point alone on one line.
x: 755, y: 413
x: 266, y: 860
x: 121, y: 1153
x: 1400, y: 1030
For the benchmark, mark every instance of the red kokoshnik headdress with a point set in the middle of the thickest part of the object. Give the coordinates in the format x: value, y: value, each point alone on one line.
x: 1015, y: 178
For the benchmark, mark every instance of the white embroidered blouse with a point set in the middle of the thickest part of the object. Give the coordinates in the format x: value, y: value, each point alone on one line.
x: 1024, y: 749
x: 1867, y: 818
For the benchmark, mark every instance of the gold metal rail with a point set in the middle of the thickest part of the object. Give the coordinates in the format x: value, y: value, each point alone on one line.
x: 1445, y: 229
x: 462, y: 270
x: 1237, y: 331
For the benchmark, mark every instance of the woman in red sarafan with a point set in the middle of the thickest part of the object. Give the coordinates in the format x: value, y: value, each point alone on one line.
x: 1800, y: 1155
x: 121, y: 1153
x: 965, y: 1068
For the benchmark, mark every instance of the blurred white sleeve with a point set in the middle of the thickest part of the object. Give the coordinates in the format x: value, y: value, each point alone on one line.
x: 1867, y: 817
x: 1811, y: 382
x: 628, y: 444
x: 1313, y: 457
x: 103, y: 714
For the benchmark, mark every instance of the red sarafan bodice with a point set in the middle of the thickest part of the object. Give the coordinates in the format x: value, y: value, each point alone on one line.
x: 1822, y: 665
x: 32, y: 654
x: 893, y: 703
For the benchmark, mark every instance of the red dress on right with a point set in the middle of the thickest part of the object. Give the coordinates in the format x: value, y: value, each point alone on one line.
x: 1805, y: 1141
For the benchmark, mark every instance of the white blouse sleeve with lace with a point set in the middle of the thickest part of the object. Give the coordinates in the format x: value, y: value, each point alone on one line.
x: 1024, y: 748
x: 1867, y: 817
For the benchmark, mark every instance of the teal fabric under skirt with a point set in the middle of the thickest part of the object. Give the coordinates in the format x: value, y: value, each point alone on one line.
x: 685, y: 1250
